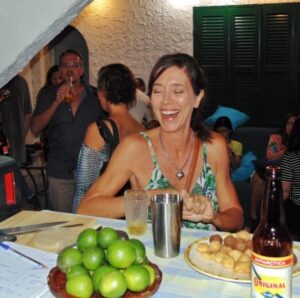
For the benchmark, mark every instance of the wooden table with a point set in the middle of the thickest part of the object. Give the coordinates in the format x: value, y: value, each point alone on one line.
x: 179, y: 279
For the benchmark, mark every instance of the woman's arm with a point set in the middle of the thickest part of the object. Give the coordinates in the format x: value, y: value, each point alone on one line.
x: 230, y: 214
x: 100, y: 200
x: 41, y: 119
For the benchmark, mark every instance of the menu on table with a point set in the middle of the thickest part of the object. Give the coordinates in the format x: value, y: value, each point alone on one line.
x: 20, y: 277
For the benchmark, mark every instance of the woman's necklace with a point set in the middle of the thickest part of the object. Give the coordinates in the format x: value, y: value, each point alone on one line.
x: 179, y: 171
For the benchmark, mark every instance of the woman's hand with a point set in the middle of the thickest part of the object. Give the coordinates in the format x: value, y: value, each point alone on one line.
x: 197, y: 208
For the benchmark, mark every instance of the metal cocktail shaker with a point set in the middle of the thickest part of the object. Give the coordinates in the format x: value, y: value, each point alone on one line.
x: 166, y: 212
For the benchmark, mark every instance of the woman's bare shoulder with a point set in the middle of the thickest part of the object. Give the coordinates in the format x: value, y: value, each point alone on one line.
x: 217, y: 153
x: 93, y: 138
x: 133, y: 141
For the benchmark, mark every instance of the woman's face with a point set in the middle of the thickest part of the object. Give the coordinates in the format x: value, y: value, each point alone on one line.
x: 289, y: 125
x: 56, y: 78
x: 173, y: 99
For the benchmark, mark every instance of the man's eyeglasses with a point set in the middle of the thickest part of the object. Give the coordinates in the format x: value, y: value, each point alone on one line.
x: 70, y: 65
x: 290, y: 123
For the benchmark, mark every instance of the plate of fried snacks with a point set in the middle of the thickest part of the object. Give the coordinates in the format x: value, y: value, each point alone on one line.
x: 226, y: 256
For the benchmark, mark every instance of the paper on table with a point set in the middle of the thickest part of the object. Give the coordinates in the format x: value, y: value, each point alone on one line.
x: 21, y: 277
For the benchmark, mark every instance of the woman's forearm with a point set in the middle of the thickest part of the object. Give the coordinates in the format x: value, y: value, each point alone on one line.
x: 39, y: 121
x: 112, y: 207
x: 230, y: 220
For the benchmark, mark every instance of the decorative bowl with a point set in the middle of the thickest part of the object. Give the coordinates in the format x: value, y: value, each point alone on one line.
x: 57, y: 283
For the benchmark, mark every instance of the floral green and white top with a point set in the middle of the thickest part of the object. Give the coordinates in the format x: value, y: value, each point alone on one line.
x: 205, y: 184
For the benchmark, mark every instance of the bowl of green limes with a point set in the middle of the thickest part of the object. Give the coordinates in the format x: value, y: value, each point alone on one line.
x: 104, y: 265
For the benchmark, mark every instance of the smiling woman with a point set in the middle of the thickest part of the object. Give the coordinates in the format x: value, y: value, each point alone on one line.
x: 179, y: 156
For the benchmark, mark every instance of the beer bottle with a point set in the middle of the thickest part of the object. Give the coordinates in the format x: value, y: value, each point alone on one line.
x: 272, y: 256
x: 70, y: 92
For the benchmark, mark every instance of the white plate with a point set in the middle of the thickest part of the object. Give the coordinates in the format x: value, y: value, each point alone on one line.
x: 213, y: 269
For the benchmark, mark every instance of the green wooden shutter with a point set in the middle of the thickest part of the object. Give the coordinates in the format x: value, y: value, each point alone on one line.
x: 211, y: 50
x: 276, y: 61
x: 244, y: 59
x: 251, y: 54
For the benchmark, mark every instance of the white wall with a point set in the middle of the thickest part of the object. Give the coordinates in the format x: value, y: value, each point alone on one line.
x: 134, y: 32
x: 27, y: 26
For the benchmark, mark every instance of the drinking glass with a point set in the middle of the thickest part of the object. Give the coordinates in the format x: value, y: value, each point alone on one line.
x: 136, y: 211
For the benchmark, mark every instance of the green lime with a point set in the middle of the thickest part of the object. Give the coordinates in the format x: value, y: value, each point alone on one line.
x: 80, y: 286
x: 93, y: 257
x: 140, y: 250
x: 87, y: 238
x: 121, y: 254
x: 151, y: 273
x: 77, y: 270
x: 107, y: 236
x: 113, y: 285
x: 99, y: 273
x: 69, y: 257
x: 137, y: 278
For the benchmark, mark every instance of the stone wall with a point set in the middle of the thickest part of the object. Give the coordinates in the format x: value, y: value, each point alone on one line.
x: 138, y: 32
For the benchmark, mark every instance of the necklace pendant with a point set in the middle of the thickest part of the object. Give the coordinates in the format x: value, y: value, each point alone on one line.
x: 179, y: 174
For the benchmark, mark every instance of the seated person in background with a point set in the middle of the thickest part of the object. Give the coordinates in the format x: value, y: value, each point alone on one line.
x: 235, y: 149
x: 290, y: 177
x: 140, y: 108
x: 116, y: 90
x: 275, y: 150
x: 179, y: 156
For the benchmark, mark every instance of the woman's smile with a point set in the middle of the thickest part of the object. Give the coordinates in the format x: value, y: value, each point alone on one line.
x: 169, y: 114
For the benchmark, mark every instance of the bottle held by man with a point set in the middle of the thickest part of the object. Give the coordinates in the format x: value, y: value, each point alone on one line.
x: 69, y: 95
x: 272, y: 256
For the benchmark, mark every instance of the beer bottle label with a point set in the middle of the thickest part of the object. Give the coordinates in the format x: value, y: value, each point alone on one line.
x: 271, y: 277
